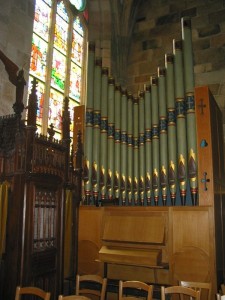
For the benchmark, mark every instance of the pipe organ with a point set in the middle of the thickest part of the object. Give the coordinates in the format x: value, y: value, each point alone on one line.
x: 141, y: 149
x: 152, y: 179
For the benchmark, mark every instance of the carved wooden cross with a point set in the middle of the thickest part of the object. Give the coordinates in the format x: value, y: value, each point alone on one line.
x: 202, y: 106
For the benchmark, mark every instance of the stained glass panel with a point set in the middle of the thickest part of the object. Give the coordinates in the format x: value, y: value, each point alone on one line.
x: 78, y: 27
x: 38, y: 57
x: 55, y: 109
x: 75, y: 82
x: 61, y: 10
x: 58, y: 70
x: 77, y: 48
x: 53, y: 49
x: 72, y: 104
x: 49, y: 2
x: 61, y: 34
x: 42, y: 19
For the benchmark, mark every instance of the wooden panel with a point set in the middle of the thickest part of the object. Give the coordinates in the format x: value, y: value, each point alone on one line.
x: 138, y: 229
x: 193, y: 245
x: 79, y: 116
x: 158, y: 276
x: 131, y: 256
x: 130, y: 273
x: 191, y: 228
x: 89, y: 240
x: 204, y: 146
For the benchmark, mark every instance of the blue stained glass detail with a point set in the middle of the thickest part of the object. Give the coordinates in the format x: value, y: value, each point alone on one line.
x: 148, y: 135
x: 97, y: 119
x: 61, y: 10
x: 89, y: 117
x: 78, y: 26
x: 111, y: 130
x: 155, y: 131
x: 129, y: 140
x: 163, y: 125
x: 104, y: 125
x: 190, y: 102
x: 180, y: 108
x: 142, y: 138
x: 135, y: 142
x: 117, y: 135
x: 123, y: 137
x: 171, y: 115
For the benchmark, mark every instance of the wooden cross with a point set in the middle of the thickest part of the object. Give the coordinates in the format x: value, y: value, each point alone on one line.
x: 202, y: 106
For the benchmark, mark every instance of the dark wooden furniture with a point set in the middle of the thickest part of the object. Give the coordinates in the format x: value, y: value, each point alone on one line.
x: 138, y: 286
x: 98, y: 288
x: 38, y: 169
x: 32, y: 291
x: 179, y: 290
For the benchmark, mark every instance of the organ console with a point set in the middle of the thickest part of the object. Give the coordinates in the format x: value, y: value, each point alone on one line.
x: 153, y: 169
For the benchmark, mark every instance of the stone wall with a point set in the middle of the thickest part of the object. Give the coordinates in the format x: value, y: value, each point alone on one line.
x: 16, y: 22
x: 159, y: 22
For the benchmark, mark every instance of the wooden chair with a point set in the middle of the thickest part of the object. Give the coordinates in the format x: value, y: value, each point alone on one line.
x: 180, y: 290
x: 73, y: 297
x: 33, y: 291
x: 205, y: 288
x: 223, y: 289
x: 134, y: 287
x: 88, y: 285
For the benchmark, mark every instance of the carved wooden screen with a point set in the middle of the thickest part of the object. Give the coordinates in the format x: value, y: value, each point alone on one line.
x: 44, y: 219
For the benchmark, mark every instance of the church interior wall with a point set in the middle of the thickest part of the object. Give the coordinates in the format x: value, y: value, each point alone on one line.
x: 156, y: 24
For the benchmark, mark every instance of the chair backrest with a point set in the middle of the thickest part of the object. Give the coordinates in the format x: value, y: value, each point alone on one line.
x: 73, y: 297
x: 181, y: 290
x: 31, y: 290
x: 223, y: 289
x: 91, y: 285
x: 205, y: 288
x: 134, y: 287
x: 218, y: 296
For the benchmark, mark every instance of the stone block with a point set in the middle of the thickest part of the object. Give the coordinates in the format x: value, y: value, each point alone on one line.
x: 166, y: 19
x: 150, y: 44
x: 210, y: 7
x: 217, y: 17
x: 191, y: 12
x: 164, y: 30
x: 145, y: 26
x: 199, y: 22
x: 218, y: 40
x: 201, y: 44
x: 144, y: 67
x: 214, y: 88
x: 210, y: 77
x: 207, y: 67
x: 213, y: 55
x: 222, y: 89
x: 209, y: 30
x: 142, y: 79
x: 220, y: 99
x: 157, y: 11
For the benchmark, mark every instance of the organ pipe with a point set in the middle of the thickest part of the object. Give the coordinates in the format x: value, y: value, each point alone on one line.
x: 89, y: 124
x: 141, y: 149
x: 104, y: 137
x: 190, y: 107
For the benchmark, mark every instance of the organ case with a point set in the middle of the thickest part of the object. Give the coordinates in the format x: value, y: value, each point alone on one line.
x: 175, y: 232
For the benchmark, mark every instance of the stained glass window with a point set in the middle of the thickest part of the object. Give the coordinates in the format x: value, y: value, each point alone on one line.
x: 57, y: 58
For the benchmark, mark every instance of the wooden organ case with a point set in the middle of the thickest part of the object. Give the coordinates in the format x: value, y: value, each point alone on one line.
x: 177, y: 233
x: 37, y: 170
